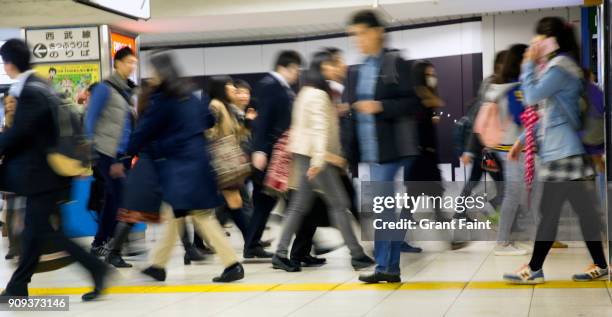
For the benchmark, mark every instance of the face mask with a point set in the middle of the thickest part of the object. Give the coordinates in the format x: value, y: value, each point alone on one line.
x: 431, y: 81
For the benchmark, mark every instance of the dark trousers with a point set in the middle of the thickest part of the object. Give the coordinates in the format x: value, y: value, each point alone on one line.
x: 476, y: 175
x: 113, y: 189
x: 302, y: 245
x: 318, y: 217
x: 13, y: 212
x: 37, y: 232
x: 582, y: 197
x: 262, y: 207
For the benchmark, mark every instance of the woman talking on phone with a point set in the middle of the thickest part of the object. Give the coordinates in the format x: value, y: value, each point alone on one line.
x: 552, y: 79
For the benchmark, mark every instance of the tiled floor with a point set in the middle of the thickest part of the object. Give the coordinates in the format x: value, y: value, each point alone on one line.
x: 438, y: 282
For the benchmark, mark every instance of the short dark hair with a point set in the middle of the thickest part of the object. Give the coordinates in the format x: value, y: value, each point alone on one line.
x: 16, y: 52
x: 242, y: 84
x: 288, y: 57
x: 367, y: 17
x: 123, y: 53
x: 333, y: 50
x: 52, y: 69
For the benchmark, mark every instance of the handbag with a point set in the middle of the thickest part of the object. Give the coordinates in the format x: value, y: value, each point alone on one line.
x: 276, y: 179
x: 229, y: 162
x: 489, y: 162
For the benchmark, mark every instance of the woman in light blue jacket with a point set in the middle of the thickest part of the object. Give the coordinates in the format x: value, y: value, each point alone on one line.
x: 552, y: 79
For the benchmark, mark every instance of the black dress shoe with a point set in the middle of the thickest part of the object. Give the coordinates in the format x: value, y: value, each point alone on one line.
x: 362, y: 262
x: 378, y: 277
x: 156, y: 273
x: 320, y: 250
x: 285, y: 264
x: 258, y: 253
x: 231, y: 273
x: 309, y: 260
x: 99, y: 284
x: 266, y: 243
x: 114, y: 259
x: 193, y: 254
x: 9, y: 256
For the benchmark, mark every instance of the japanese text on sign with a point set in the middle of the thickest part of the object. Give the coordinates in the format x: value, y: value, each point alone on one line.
x: 59, y: 45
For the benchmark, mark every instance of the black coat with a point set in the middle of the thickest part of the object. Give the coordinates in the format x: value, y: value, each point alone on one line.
x: 274, y: 105
x: 25, y: 145
x: 395, y: 125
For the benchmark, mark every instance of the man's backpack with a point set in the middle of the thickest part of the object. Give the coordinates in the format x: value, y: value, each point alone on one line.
x: 72, y: 153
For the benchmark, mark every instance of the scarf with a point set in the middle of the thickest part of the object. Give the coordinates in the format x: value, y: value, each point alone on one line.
x: 529, y: 118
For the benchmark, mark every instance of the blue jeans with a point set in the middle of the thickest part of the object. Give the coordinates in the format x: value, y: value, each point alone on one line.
x: 387, y: 253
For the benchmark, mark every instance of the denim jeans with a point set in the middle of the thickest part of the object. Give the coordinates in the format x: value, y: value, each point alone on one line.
x: 387, y: 253
x: 514, y: 193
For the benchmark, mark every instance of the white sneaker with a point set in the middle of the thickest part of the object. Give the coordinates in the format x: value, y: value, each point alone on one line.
x: 508, y: 250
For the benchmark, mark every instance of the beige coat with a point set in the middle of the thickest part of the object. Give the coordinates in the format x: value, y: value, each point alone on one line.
x: 226, y: 125
x: 315, y: 130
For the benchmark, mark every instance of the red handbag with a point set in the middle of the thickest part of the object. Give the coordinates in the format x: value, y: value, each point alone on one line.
x: 276, y: 180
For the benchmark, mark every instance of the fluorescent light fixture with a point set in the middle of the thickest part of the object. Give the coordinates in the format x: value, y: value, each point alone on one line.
x: 133, y: 9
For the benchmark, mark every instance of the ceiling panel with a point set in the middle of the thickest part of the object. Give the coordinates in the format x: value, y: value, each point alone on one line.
x: 199, y: 21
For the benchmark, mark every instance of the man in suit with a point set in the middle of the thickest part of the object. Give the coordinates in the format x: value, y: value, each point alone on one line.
x: 385, y: 137
x: 275, y: 100
x: 25, y: 171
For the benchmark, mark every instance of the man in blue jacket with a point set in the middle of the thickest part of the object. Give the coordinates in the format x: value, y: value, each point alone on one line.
x: 108, y: 123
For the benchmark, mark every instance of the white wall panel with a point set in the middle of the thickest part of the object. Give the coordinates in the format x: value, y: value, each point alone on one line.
x: 144, y: 64
x: 444, y: 40
x: 233, y: 60
x: 270, y: 52
x: 190, y: 61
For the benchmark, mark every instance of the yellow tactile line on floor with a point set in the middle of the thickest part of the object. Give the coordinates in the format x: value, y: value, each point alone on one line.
x: 237, y: 287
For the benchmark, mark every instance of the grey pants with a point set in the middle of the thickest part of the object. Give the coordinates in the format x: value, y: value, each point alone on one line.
x: 329, y: 185
x: 515, y: 193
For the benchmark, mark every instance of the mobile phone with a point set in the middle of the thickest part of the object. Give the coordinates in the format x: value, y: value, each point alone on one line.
x: 546, y: 46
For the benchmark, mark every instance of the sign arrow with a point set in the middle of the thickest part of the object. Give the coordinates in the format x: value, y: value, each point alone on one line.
x: 40, y: 50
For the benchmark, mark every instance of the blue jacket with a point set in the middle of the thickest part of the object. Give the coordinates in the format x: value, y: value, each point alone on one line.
x: 172, y: 130
x: 558, y: 92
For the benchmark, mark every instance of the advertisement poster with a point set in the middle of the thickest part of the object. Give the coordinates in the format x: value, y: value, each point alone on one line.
x: 118, y: 41
x: 70, y: 79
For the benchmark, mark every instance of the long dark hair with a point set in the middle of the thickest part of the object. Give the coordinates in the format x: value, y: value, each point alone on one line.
x: 511, y: 65
x: 419, y: 77
x: 563, y: 32
x: 216, y: 88
x: 171, y: 83
x: 314, y: 75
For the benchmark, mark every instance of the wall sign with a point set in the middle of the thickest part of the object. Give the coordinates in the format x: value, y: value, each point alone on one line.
x: 64, y: 44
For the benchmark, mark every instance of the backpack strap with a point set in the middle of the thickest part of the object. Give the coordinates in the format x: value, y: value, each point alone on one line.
x: 120, y: 91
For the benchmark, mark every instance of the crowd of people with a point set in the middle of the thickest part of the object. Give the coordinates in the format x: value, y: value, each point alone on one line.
x: 173, y: 157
